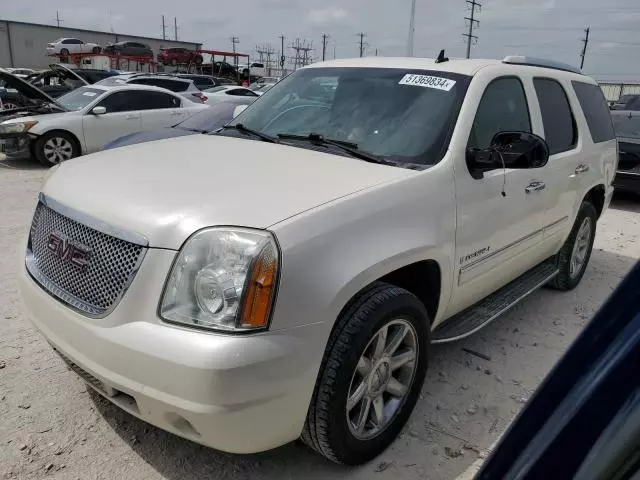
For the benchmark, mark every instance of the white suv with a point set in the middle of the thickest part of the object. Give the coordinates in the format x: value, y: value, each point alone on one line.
x: 373, y: 207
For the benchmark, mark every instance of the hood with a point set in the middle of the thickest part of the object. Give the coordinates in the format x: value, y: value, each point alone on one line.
x: 25, y: 88
x: 65, y: 72
x: 29, y: 91
x: 168, y: 189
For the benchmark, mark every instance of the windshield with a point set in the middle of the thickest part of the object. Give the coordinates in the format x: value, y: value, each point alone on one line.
x: 79, y: 98
x: 399, y: 115
x: 215, y: 89
x: 212, y: 118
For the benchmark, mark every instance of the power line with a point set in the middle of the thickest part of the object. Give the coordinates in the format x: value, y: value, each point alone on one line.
x: 362, y: 35
x: 324, y: 46
x: 473, y: 23
x: 585, y: 40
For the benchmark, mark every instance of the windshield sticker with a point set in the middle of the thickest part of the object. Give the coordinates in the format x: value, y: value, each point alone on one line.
x: 428, y: 81
x: 89, y: 94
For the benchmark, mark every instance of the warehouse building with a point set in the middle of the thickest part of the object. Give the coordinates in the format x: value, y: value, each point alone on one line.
x: 24, y: 44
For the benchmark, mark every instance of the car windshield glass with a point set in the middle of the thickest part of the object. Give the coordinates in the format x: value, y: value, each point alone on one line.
x: 114, y: 80
x: 215, y: 89
x: 212, y: 118
x: 79, y: 98
x: 405, y: 116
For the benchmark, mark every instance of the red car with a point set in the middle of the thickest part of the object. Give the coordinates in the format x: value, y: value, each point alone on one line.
x: 176, y: 56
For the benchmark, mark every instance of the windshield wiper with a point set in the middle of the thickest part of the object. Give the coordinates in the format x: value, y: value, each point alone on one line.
x: 348, y: 147
x: 241, y: 128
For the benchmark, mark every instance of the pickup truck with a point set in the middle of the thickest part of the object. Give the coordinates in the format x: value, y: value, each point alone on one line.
x: 296, y: 291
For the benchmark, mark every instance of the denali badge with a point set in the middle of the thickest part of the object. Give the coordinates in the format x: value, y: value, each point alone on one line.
x: 69, y: 251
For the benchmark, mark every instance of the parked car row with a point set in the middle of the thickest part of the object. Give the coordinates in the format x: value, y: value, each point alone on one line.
x: 70, y: 46
x: 90, y: 116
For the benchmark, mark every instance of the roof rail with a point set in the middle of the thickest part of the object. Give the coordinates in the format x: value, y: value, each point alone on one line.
x: 540, y: 62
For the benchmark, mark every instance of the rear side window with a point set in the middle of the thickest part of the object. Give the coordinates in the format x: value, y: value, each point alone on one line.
x: 595, y: 110
x: 156, y: 100
x: 560, y: 129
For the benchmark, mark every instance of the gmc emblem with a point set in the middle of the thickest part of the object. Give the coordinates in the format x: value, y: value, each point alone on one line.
x: 69, y: 251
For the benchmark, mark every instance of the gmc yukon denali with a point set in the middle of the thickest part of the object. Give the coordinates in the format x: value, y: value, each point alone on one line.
x: 374, y: 207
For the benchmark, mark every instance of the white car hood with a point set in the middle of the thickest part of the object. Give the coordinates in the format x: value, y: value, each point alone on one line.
x: 168, y: 189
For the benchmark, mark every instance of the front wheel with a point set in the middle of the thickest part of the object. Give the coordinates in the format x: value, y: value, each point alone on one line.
x: 64, y: 52
x: 371, y: 375
x: 573, y: 258
x: 55, y: 147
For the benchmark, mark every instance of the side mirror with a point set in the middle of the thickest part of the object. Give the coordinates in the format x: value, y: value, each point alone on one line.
x: 509, y: 150
x: 99, y: 110
x: 239, y: 109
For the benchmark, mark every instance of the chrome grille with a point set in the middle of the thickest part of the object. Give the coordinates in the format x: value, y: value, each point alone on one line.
x: 95, y: 289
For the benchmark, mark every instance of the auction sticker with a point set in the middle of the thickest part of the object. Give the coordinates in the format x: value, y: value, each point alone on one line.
x: 427, y: 81
x: 89, y: 94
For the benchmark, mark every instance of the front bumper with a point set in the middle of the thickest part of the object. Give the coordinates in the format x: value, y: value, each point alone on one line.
x: 16, y: 147
x: 235, y: 393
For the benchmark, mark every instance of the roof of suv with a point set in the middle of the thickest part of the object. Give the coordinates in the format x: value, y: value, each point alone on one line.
x: 453, y: 65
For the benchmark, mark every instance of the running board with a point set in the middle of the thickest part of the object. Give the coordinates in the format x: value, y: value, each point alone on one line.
x: 487, y: 310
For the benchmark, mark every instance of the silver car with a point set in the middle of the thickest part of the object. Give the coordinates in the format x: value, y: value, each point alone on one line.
x: 181, y: 86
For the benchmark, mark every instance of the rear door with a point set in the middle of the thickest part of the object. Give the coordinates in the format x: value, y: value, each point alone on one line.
x: 566, y: 156
x: 122, y: 118
x: 160, y: 110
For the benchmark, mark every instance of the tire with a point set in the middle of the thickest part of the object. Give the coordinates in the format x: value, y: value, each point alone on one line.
x: 198, y: 60
x: 331, y: 429
x: 55, y: 147
x: 96, y: 50
x: 64, y: 52
x: 576, y: 245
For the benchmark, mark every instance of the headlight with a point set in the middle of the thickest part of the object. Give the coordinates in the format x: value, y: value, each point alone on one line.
x: 17, y: 127
x: 223, y: 279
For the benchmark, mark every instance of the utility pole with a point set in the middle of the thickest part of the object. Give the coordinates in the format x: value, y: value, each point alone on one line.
x: 412, y: 29
x: 376, y: 52
x: 175, y: 28
x: 473, y: 23
x: 234, y: 41
x: 58, y: 19
x: 324, y: 46
x: 302, y: 50
x: 164, y: 29
x: 282, y: 57
x: 585, y: 41
x: 334, y: 52
x: 362, y: 35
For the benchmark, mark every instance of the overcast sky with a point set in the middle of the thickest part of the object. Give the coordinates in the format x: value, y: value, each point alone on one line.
x: 543, y: 28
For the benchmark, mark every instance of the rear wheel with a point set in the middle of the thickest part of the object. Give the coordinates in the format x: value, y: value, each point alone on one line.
x: 9, y: 105
x: 371, y: 375
x: 573, y: 258
x: 64, y: 52
x: 55, y: 147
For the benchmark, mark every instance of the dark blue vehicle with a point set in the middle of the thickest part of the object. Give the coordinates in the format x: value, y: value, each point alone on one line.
x: 583, y: 422
x: 208, y: 120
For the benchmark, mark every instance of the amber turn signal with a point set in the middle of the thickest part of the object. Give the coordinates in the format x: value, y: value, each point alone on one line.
x: 258, y: 299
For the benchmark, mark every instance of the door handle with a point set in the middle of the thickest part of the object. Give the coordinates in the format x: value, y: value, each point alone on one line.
x: 581, y: 169
x: 535, y: 187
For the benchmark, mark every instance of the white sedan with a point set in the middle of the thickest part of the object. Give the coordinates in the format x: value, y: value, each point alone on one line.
x: 65, y: 46
x: 216, y: 94
x: 85, y: 119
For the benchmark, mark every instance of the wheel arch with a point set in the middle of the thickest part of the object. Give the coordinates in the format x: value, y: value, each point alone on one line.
x: 596, y: 196
x: 73, y: 136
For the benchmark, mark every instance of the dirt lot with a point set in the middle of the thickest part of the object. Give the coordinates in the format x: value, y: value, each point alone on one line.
x: 51, y: 426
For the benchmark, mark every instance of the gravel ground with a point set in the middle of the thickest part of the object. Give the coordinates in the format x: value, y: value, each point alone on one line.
x: 52, y: 426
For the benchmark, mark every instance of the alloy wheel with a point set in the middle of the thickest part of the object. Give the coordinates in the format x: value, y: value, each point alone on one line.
x: 581, y: 248
x: 382, y: 379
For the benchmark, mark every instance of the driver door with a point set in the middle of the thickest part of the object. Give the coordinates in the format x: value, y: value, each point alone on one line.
x: 122, y: 118
x: 500, y: 213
